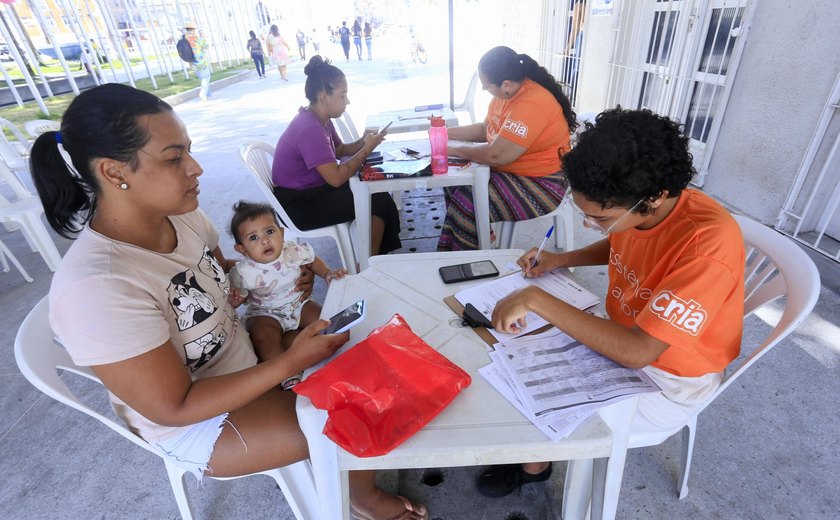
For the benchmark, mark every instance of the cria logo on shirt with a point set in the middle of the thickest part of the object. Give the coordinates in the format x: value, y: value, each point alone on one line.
x: 684, y: 315
x: 516, y: 127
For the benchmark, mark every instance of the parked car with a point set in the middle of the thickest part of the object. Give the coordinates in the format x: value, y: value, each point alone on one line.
x: 71, y: 51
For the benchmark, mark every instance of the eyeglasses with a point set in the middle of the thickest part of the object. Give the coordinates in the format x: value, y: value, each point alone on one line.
x: 596, y: 225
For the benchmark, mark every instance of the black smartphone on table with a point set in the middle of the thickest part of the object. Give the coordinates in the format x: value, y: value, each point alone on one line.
x: 470, y: 271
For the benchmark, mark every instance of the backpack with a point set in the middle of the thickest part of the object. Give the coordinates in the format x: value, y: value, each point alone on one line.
x: 185, y: 50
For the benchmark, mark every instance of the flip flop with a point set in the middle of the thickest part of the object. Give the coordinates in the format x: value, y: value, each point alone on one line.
x: 410, y: 512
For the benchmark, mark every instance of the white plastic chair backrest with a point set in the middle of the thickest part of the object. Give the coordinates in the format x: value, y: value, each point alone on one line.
x: 351, y: 126
x: 343, y: 131
x: 259, y: 157
x: 38, y: 357
x: 469, y: 97
x: 12, y: 152
x: 775, y: 267
x: 37, y: 127
x: 8, y: 177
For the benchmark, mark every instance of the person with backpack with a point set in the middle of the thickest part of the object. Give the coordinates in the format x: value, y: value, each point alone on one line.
x: 255, y: 48
x: 201, y: 58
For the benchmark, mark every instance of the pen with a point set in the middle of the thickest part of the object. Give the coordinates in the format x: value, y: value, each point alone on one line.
x: 536, y: 258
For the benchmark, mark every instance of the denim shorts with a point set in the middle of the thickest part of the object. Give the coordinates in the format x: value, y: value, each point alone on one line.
x: 192, y: 449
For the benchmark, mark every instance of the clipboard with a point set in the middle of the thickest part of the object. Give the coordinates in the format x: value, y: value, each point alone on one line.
x: 482, y: 332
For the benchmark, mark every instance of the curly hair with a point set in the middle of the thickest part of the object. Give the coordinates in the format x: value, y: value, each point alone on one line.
x: 244, y: 211
x: 627, y: 156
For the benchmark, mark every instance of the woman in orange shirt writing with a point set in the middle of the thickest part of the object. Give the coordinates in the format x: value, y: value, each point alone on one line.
x: 523, y: 137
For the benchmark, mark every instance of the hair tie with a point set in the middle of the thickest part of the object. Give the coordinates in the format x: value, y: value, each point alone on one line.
x: 58, y: 138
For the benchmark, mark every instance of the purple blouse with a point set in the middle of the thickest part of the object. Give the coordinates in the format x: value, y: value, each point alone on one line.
x: 305, y: 145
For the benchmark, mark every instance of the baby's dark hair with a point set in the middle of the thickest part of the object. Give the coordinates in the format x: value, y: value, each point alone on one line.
x: 244, y: 211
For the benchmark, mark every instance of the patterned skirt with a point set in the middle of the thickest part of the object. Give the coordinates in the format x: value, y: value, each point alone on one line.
x: 512, y: 198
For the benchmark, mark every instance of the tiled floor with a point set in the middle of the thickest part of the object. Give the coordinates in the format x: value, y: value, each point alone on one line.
x: 765, y: 450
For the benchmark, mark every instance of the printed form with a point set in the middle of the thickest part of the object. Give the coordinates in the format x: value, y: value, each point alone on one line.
x: 557, y: 382
x: 556, y: 283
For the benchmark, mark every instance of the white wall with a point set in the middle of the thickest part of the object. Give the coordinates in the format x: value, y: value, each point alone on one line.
x: 787, y: 70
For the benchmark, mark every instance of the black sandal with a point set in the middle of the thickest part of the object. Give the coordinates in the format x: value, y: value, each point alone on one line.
x: 501, y: 481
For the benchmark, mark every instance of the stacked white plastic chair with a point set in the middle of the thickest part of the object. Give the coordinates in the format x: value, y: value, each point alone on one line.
x: 776, y: 267
x: 14, y: 153
x: 258, y: 157
x: 39, y: 357
x: 24, y: 212
x: 37, y: 127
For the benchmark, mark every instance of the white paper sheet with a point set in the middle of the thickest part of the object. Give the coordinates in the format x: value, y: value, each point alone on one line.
x: 556, y: 283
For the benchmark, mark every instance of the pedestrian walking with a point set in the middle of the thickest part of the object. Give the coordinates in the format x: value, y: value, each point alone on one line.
x: 369, y: 40
x: 255, y: 48
x: 316, y: 41
x: 278, y: 49
x: 344, y: 35
x: 301, y: 43
x: 201, y: 65
x: 357, y: 38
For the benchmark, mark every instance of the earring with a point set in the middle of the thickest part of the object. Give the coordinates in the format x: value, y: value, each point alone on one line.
x: 122, y: 186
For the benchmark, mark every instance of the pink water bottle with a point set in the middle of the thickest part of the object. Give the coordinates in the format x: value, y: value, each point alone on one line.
x: 438, y: 136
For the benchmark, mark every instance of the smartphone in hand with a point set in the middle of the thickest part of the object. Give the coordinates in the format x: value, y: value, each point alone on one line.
x: 385, y: 128
x: 347, y: 318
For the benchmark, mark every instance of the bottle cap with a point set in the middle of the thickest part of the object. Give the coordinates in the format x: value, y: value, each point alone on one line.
x: 437, y: 121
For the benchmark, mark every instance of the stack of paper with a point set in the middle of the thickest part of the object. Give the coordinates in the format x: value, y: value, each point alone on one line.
x: 557, y: 382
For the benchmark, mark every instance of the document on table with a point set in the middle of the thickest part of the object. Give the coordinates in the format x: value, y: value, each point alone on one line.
x: 484, y: 296
x: 556, y: 382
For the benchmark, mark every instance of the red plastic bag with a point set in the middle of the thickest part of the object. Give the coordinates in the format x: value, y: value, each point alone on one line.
x: 383, y: 390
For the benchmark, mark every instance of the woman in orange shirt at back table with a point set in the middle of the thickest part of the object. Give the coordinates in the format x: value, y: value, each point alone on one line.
x: 522, y: 139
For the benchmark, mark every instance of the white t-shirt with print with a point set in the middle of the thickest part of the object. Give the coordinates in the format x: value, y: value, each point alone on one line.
x: 111, y: 301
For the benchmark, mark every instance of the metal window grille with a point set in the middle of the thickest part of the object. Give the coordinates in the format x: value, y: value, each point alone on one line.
x: 677, y: 58
x: 563, y: 41
x: 811, y: 213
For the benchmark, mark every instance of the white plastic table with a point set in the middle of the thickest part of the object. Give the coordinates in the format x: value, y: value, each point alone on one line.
x: 476, y: 175
x: 408, y: 120
x: 479, y: 427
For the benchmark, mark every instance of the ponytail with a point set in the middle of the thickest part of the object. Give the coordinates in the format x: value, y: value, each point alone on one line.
x: 68, y: 198
x: 502, y: 63
x: 99, y: 123
x: 539, y: 74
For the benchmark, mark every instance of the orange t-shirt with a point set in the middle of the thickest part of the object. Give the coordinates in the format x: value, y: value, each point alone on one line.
x: 682, y: 282
x: 532, y: 118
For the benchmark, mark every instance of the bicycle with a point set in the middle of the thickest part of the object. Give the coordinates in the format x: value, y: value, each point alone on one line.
x: 418, y: 52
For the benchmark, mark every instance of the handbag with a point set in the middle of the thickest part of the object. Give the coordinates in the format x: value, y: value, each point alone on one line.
x: 383, y: 390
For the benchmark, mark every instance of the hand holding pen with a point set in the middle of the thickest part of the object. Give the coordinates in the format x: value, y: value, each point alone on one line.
x: 536, y: 258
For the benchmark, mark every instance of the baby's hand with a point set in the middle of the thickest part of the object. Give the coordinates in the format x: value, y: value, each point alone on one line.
x: 335, y: 274
x: 235, y: 297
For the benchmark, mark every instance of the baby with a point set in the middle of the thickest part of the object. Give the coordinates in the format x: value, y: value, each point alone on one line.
x: 266, y: 277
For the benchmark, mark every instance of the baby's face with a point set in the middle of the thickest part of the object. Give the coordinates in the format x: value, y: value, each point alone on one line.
x: 262, y: 239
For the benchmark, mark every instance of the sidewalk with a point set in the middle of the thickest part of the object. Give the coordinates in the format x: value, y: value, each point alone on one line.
x: 765, y: 450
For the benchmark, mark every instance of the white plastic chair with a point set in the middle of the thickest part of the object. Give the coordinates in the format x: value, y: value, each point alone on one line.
x: 37, y: 127
x: 348, y: 132
x: 14, y: 154
x: 776, y: 267
x: 38, y: 357
x: 25, y: 212
x: 258, y: 157
x: 563, y: 212
x: 468, y: 104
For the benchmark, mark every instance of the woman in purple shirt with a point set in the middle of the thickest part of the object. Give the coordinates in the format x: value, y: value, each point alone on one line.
x: 309, y: 181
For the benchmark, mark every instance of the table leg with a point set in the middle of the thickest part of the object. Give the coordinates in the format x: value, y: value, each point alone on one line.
x: 361, y: 203
x: 481, y: 201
